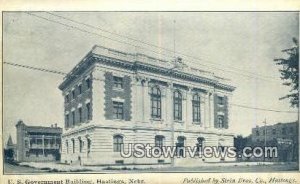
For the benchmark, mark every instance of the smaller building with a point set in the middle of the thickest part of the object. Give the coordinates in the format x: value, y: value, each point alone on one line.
x: 37, y: 143
x: 282, y: 135
x: 10, y: 150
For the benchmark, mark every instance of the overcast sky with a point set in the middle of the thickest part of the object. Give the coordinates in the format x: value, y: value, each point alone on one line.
x: 242, y: 45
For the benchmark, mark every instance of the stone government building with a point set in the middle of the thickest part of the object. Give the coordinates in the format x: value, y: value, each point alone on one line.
x: 113, y: 98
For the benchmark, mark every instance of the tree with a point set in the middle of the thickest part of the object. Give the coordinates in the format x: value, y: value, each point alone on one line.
x: 290, y: 72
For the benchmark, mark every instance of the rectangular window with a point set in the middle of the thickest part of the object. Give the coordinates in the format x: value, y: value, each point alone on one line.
x: 88, y: 83
x: 118, y: 143
x: 118, y: 82
x: 80, y: 114
x: 159, y: 141
x: 80, y: 89
x: 283, y: 131
x: 88, y: 111
x: 257, y: 133
x: 177, y: 106
x: 221, y: 121
x: 274, y: 131
x: 73, y: 94
x: 73, y: 118
x: 118, y: 110
x: 67, y: 98
x: 155, y: 103
x: 220, y: 100
x: 196, y: 109
x: 67, y: 120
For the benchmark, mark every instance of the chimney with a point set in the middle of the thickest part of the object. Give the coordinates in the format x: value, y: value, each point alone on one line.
x: 55, y: 125
x: 51, y: 125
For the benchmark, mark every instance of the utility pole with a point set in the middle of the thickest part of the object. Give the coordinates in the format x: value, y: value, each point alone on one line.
x: 178, y: 63
x: 265, y: 142
x: 172, y: 119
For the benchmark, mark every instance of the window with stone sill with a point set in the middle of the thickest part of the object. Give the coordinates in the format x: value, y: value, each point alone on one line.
x: 80, y: 114
x: 196, y: 109
x: 67, y: 120
x: 67, y: 98
x: 155, y: 96
x: 117, y: 82
x: 88, y: 111
x: 88, y: 83
x: 117, y: 143
x: 80, y: 145
x: 67, y: 146
x: 118, y: 110
x: 177, y: 109
x: 159, y: 141
x: 220, y: 100
x: 73, y: 146
x: 73, y: 94
x: 80, y: 89
x: 221, y: 123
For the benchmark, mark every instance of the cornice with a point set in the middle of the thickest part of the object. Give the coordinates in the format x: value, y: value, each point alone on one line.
x: 139, y: 66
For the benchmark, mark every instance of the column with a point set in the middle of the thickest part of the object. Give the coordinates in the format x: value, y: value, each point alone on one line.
x: 97, y: 108
x: 211, y: 100
x: 139, y: 100
x: 134, y: 96
x: 229, y: 109
x: 146, y: 108
x: 207, y: 111
x: 169, y: 104
x: 203, y: 110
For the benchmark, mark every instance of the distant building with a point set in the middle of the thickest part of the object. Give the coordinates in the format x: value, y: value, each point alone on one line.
x: 10, y: 144
x: 282, y: 135
x: 113, y: 99
x: 10, y: 149
x: 37, y: 143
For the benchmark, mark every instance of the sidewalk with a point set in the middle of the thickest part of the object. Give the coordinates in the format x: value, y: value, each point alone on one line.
x: 58, y: 167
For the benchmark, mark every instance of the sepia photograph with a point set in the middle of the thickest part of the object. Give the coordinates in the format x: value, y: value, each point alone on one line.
x: 150, y: 92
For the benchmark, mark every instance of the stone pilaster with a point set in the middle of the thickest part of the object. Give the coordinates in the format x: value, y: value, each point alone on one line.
x: 139, y: 100
x: 146, y: 102
x: 202, y: 110
x: 211, y: 108
x: 189, y: 108
x: 169, y: 104
x: 207, y: 111
x: 98, y: 96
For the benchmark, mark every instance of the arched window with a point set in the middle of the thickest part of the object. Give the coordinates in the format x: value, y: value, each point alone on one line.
x: 177, y: 105
x: 118, y: 143
x: 89, y: 145
x: 196, y: 109
x: 67, y: 146
x: 80, y: 145
x: 155, y: 102
x: 159, y: 141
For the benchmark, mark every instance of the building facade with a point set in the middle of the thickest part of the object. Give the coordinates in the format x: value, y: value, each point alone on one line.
x: 282, y: 135
x: 37, y: 143
x: 114, y: 99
